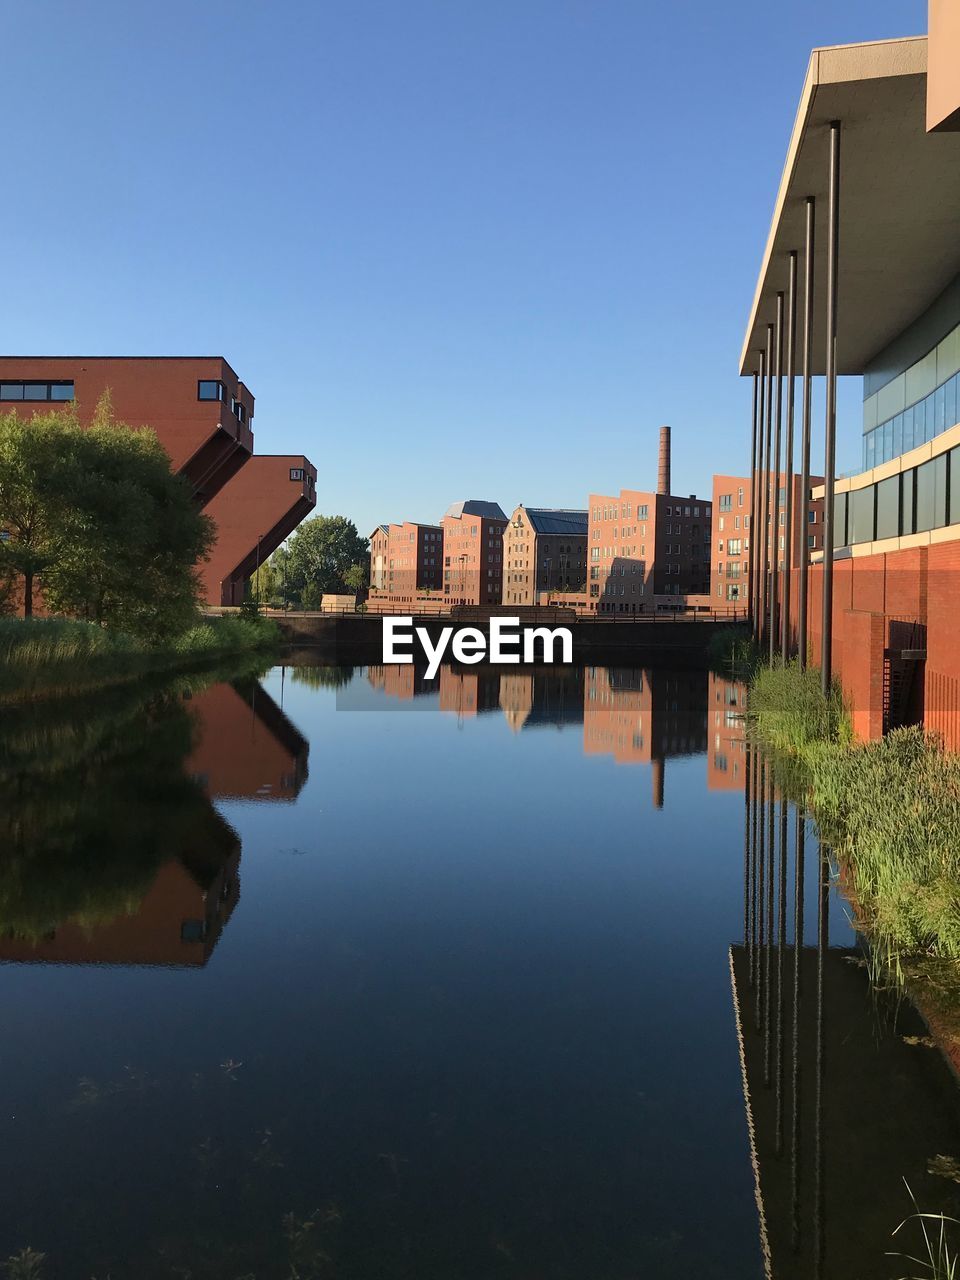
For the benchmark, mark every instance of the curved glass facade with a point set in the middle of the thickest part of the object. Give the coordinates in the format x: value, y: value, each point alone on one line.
x: 916, y: 425
x: 914, y: 501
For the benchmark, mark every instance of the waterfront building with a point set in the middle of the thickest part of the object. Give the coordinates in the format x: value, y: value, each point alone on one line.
x: 732, y: 501
x: 647, y: 550
x: 863, y: 250
x: 473, y: 553
x: 202, y: 414
x: 544, y: 550
x: 406, y: 565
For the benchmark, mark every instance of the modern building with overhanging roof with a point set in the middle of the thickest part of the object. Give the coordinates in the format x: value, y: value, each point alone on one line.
x: 860, y: 275
x: 544, y: 550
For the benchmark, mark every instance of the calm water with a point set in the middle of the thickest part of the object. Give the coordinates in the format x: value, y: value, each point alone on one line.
x: 348, y: 974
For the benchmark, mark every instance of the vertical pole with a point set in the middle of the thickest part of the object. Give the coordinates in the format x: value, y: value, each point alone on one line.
x: 757, y: 503
x: 765, y: 482
x: 775, y: 500
x: 830, y: 447
x: 753, y: 471
x: 805, y: 445
x: 788, y: 532
x: 798, y: 883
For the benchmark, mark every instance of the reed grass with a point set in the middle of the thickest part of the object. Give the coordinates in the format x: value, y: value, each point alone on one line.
x: 55, y: 656
x: 890, y: 810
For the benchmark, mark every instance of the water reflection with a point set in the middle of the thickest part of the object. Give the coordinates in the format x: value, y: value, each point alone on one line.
x: 113, y: 851
x: 845, y: 1098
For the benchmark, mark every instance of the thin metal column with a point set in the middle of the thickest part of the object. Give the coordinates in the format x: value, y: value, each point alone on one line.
x: 757, y: 506
x: 765, y: 482
x: 751, y: 576
x: 775, y: 497
x: 830, y: 430
x: 786, y: 639
x: 805, y: 445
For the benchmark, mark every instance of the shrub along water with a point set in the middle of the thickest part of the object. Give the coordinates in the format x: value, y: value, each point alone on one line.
x: 890, y: 809
x: 44, y: 656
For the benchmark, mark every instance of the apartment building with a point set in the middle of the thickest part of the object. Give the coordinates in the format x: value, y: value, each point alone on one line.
x: 647, y: 550
x: 544, y: 550
x: 732, y: 498
x: 406, y: 563
x: 473, y: 533
x: 202, y: 414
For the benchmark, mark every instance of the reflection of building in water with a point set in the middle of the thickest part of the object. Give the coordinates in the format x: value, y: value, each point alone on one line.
x: 542, y: 696
x: 469, y: 693
x: 177, y: 922
x: 841, y: 1106
x: 401, y: 681
x: 643, y: 717
x: 726, y: 733
x: 246, y: 747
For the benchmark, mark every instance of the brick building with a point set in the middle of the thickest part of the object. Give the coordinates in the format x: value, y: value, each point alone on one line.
x: 406, y: 564
x: 647, y: 550
x: 730, y: 567
x: 473, y: 553
x: 544, y: 550
x: 202, y: 414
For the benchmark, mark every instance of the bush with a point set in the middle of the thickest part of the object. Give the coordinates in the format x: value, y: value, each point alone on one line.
x: 788, y: 710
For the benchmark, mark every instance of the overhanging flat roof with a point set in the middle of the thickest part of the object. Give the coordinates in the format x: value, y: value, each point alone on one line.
x: 899, y: 202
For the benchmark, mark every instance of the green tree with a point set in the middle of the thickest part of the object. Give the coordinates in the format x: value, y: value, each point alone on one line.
x: 319, y: 556
x: 357, y: 577
x: 97, y: 515
x: 39, y: 472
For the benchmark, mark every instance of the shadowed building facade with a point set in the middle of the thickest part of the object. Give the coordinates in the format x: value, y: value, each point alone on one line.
x: 406, y: 565
x: 202, y: 414
x: 544, y: 550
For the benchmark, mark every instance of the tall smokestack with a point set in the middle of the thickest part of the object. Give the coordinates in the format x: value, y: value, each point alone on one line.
x: 663, y: 470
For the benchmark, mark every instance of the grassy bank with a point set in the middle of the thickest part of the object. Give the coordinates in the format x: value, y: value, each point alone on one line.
x: 52, y: 656
x: 890, y: 810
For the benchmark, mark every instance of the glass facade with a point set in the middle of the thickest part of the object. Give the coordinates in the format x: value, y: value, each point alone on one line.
x: 916, y: 501
x: 917, y: 424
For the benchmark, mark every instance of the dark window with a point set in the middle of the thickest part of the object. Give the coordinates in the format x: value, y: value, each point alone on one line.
x: 888, y: 508
x: 239, y: 410
x: 931, y: 494
x: 36, y: 391
x: 861, y: 514
x: 908, y: 495
x: 209, y: 389
x: 840, y: 520
x: 11, y: 390
x: 61, y: 390
x: 296, y: 473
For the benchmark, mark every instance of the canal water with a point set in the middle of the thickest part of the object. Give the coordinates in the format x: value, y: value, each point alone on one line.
x: 345, y: 973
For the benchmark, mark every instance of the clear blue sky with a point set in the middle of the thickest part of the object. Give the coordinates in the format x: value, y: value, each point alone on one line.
x: 456, y: 248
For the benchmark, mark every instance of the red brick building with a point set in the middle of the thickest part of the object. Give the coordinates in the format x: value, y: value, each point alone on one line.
x: 731, y: 533
x: 202, y: 414
x: 473, y: 553
x: 544, y: 550
x: 406, y: 564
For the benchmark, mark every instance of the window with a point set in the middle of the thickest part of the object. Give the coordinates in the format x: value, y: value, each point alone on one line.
x: 296, y: 473
x: 726, y: 502
x: 239, y: 411
x: 60, y: 391
x: 888, y: 508
x: 210, y: 389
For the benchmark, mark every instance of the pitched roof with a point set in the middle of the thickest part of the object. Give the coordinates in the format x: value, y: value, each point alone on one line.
x: 555, y: 520
x: 475, y: 507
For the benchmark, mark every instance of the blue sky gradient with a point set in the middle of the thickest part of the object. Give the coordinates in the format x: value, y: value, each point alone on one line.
x: 456, y: 248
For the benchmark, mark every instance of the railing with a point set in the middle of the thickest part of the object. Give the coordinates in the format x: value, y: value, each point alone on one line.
x: 532, y: 614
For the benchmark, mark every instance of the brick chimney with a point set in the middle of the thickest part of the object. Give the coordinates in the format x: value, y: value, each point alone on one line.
x: 663, y: 469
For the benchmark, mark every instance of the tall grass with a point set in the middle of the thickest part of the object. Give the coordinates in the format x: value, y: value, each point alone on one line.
x: 890, y: 809
x: 42, y: 656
